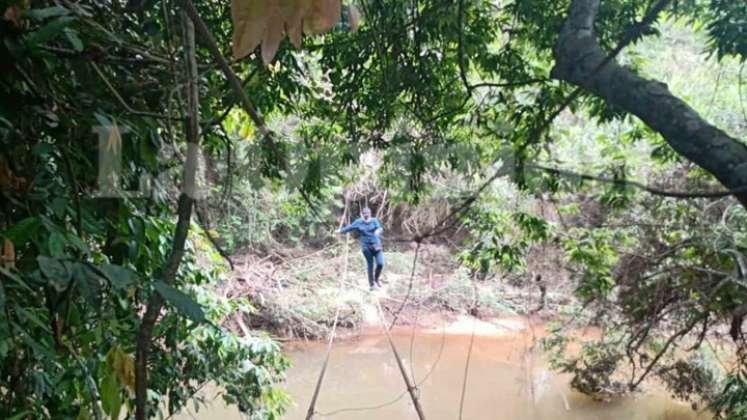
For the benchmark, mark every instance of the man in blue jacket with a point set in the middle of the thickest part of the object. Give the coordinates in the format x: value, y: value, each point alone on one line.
x: 369, y: 230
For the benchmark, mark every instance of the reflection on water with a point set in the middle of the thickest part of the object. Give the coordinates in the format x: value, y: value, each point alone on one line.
x: 505, y: 381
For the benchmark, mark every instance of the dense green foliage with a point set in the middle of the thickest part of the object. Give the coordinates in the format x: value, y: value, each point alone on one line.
x: 72, y: 300
x: 437, y: 89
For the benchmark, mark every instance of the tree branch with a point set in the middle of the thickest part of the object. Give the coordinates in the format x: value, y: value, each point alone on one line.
x: 233, y: 81
x: 202, y: 217
x: 124, y: 103
x: 536, y: 133
x: 184, y: 211
x: 636, y: 184
x: 680, y: 333
x: 462, y: 66
x: 509, y: 84
x: 581, y: 61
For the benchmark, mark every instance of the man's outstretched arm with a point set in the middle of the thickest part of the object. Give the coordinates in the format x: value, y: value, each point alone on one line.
x: 346, y: 229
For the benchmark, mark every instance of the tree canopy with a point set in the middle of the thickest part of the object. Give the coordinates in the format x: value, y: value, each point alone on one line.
x: 119, y: 120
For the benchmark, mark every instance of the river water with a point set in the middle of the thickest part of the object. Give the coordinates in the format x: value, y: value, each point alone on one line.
x: 506, y: 379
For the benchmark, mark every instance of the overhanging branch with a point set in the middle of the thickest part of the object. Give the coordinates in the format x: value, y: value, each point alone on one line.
x: 581, y: 61
x: 635, y: 184
x: 233, y: 81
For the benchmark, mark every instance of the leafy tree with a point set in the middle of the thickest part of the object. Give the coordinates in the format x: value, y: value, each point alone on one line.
x: 87, y: 256
x: 435, y: 86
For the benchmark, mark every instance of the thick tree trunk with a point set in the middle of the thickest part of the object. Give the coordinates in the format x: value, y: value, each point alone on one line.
x: 578, y: 58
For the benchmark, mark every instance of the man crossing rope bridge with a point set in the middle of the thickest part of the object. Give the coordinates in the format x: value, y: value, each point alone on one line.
x: 369, y: 230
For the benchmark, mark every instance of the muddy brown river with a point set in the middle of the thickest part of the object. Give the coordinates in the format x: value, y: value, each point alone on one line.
x: 507, y: 379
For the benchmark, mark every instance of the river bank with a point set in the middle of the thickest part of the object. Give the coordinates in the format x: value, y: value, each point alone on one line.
x: 435, y: 305
x: 299, y: 294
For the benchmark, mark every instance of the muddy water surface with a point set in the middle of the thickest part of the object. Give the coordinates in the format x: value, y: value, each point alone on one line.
x: 506, y: 380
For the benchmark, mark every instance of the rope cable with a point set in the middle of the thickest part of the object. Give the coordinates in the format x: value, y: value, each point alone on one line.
x: 428, y: 374
x: 466, y: 365
x: 409, y: 287
x: 410, y: 387
x: 343, y: 278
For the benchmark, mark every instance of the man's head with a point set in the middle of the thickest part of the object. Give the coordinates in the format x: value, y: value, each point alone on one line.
x: 365, y: 213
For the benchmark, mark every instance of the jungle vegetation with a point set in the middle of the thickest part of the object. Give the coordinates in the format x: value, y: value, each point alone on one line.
x: 105, y: 305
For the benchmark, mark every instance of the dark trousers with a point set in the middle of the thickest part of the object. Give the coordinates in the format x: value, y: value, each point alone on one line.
x: 372, y: 256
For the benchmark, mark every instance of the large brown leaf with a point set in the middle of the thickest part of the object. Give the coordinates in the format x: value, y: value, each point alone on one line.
x: 249, y: 20
x: 274, y: 33
x: 322, y: 17
x: 267, y: 22
x: 294, y: 21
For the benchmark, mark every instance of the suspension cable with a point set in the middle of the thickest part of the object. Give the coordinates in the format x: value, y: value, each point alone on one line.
x: 343, y: 278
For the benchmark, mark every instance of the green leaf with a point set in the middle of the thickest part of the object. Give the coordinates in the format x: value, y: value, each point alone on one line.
x: 28, y: 316
x: 83, y: 414
x: 59, y: 206
x: 46, y: 13
x: 116, y: 408
x: 22, y: 231
x: 56, y: 245
x: 121, y: 278
x: 182, y: 302
x: 32, y: 343
x: 20, y: 415
x: 111, y: 400
x: 102, y: 119
x: 9, y: 274
x: 49, y: 31
x: 74, y: 39
x: 56, y: 271
x: 78, y: 243
x: 89, y: 282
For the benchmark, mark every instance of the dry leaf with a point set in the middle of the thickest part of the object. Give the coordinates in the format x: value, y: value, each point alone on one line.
x: 274, y: 34
x: 126, y: 372
x: 8, y: 257
x: 295, y: 32
x: 267, y: 22
x: 8, y: 181
x: 14, y: 12
x: 11, y: 15
x: 354, y: 18
x: 294, y: 22
x: 322, y: 17
x: 123, y: 366
x: 249, y: 18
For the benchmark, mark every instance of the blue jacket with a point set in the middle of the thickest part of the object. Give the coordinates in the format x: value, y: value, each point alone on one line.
x: 366, y: 230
